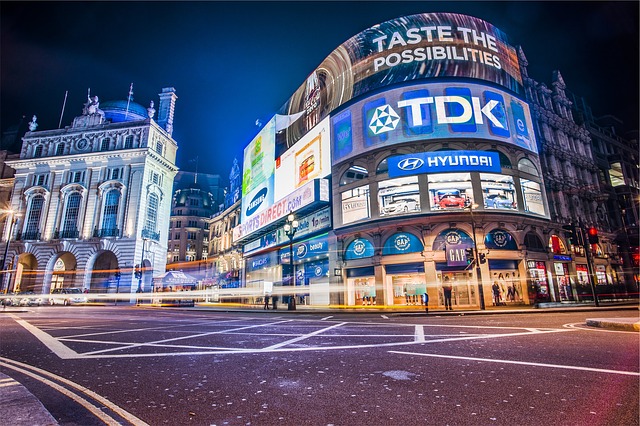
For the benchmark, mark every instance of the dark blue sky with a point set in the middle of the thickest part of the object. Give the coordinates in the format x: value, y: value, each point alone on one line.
x: 235, y: 62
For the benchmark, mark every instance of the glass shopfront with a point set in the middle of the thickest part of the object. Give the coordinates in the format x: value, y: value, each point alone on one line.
x: 565, y: 287
x: 538, y: 284
x: 463, y: 287
x: 405, y: 284
x: 361, y: 287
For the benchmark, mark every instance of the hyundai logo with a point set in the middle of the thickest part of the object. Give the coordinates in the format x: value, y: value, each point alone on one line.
x: 409, y: 164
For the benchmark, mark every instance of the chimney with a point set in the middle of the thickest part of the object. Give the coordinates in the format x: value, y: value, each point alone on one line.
x: 165, y: 110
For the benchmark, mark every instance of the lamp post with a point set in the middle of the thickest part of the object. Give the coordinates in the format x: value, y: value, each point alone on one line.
x: 476, y: 259
x: 290, y: 228
x: 11, y: 220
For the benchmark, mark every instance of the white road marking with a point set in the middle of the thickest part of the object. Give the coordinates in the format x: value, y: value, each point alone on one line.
x: 326, y: 318
x: 384, y: 316
x: 533, y: 364
x: 25, y: 369
x: 419, y: 333
x: 51, y: 342
x: 306, y: 336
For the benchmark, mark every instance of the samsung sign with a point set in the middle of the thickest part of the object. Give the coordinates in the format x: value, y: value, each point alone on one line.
x: 444, y: 161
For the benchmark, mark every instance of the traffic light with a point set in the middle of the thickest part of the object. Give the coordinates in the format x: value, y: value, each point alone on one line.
x: 570, y: 234
x: 483, y: 257
x: 469, y: 253
x: 593, y: 235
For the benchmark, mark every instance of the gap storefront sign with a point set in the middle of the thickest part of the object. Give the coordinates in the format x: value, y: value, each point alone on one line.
x: 432, y: 111
x: 306, y: 250
x: 444, y: 161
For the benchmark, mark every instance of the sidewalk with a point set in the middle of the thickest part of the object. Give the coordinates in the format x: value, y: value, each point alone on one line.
x: 20, y: 407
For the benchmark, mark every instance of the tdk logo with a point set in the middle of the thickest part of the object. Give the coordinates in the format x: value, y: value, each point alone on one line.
x: 409, y: 164
x: 385, y: 118
x: 254, y: 205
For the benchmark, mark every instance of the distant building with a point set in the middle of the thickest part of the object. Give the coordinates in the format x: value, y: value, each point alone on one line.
x: 225, y: 258
x: 93, y: 200
x: 195, y: 199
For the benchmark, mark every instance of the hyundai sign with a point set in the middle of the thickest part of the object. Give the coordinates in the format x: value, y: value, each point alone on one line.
x: 432, y: 111
x: 444, y: 161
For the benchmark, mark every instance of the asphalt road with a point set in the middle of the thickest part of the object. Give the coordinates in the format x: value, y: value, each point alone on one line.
x: 127, y: 365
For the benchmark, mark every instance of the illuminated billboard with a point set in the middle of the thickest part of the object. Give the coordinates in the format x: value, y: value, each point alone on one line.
x: 415, y: 47
x: 308, y: 159
x: 432, y: 111
x: 258, y: 172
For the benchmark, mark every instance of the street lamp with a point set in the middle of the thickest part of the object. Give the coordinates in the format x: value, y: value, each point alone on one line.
x: 290, y: 228
x: 11, y: 220
x: 476, y: 257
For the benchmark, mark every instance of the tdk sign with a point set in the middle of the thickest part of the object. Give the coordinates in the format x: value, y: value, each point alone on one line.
x: 448, y: 110
x: 444, y: 161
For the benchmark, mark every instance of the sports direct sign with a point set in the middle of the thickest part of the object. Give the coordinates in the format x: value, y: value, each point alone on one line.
x: 316, y: 190
x: 432, y: 111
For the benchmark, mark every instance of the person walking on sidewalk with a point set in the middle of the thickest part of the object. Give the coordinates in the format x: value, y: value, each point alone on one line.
x: 447, y: 289
x: 425, y: 300
x: 274, y: 302
x: 266, y: 301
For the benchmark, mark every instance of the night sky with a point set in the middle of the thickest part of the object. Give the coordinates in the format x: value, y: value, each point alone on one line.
x: 233, y: 63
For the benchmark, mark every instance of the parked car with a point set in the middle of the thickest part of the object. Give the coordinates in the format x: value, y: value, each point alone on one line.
x: 401, y: 205
x: 451, y: 200
x: 28, y: 298
x: 8, y: 299
x: 67, y: 296
x: 498, y: 201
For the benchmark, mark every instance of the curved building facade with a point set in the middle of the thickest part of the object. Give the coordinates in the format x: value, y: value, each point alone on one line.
x: 410, y: 159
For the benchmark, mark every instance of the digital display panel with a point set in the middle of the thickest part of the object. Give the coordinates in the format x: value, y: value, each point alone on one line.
x: 432, y: 111
x: 409, y: 48
x: 257, y: 172
x: 308, y: 159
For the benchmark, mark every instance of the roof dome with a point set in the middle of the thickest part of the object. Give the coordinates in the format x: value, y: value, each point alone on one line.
x: 117, y: 112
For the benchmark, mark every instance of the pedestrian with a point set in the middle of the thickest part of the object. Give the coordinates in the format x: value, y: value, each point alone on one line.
x: 510, y: 293
x: 274, y: 302
x: 425, y: 300
x: 447, y: 289
x: 266, y: 301
x: 495, y: 288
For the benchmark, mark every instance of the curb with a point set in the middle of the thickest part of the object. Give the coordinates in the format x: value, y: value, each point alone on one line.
x: 621, y: 324
x: 20, y: 407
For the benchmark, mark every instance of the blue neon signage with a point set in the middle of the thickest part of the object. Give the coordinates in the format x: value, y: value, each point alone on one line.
x: 444, y: 161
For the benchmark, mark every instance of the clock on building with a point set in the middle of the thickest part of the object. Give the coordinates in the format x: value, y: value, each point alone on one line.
x: 82, y: 144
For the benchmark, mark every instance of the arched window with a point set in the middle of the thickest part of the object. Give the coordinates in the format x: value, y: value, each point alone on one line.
x: 32, y: 229
x: 38, y: 151
x: 383, y: 167
x: 110, y: 215
x: 152, y: 213
x: 533, y: 242
x: 527, y: 166
x: 128, y: 142
x: 70, y: 225
x: 104, y: 145
x: 354, y: 174
x: 505, y: 163
x: 60, y: 149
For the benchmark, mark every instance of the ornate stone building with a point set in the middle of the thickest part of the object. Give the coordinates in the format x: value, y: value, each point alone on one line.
x: 93, y: 199
x: 575, y: 182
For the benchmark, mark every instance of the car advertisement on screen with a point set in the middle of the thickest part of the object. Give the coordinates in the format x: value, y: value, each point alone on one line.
x: 308, y: 159
x: 414, y: 47
x: 432, y: 111
x: 257, y: 173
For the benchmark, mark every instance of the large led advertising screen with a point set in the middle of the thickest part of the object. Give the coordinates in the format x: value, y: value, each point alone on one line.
x: 409, y: 48
x: 432, y: 111
x: 308, y: 159
x: 257, y: 172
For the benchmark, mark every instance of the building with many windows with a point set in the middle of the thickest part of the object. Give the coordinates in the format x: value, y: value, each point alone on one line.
x: 92, y: 200
x: 195, y: 199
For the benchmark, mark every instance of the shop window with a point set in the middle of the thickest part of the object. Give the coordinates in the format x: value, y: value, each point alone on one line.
x: 450, y: 191
x: 354, y: 174
x: 356, y: 204
x: 534, y: 243
x: 532, y: 196
x: 505, y: 163
x: 527, y: 166
x: 556, y: 245
x: 383, y: 167
x: 499, y: 191
x: 399, y: 196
